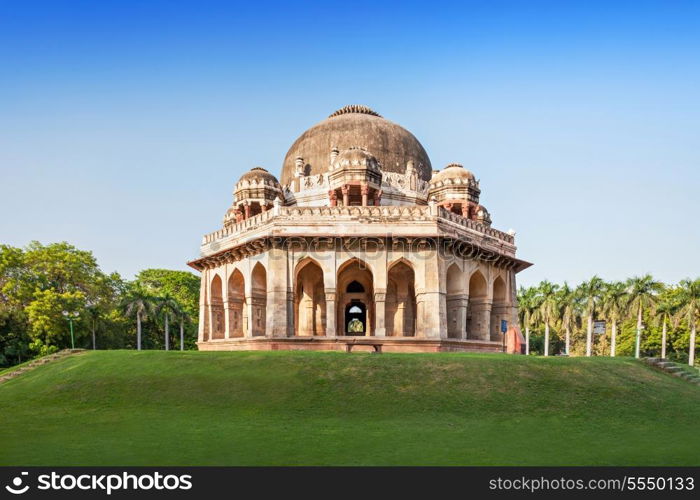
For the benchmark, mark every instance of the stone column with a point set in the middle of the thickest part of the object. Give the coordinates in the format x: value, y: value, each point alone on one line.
x: 277, y: 312
x: 365, y: 192
x: 290, y: 312
x: 457, y: 316
x: 202, y: 326
x: 346, y: 195
x: 380, y: 312
x: 330, y: 312
x: 481, y: 319
x: 432, y: 295
x: 227, y: 319
x: 249, y: 313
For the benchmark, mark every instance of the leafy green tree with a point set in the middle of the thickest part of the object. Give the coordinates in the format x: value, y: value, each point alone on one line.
x: 643, y: 294
x: 547, y: 310
x: 527, y: 305
x: 614, y: 305
x: 591, y: 293
x: 664, y: 315
x: 48, y: 329
x: 169, y: 308
x: 690, y: 311
x: 569, y: 307
x: 141, y: 304
x: 182, y: 286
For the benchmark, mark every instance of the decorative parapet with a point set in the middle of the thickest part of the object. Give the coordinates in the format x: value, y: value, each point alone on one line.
x: 463, y: 221
x: 387, y: 214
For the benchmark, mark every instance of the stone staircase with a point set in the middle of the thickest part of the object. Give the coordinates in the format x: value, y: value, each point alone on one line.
x: 38, y: 362
x: 674, y: 369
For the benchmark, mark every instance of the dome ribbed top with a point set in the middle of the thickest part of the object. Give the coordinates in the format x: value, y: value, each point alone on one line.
x: 355, y: 108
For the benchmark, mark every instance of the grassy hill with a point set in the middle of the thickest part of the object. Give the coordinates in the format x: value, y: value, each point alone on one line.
x: 291, y: 408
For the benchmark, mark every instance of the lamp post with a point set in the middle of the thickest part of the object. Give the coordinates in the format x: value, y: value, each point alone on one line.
x: 70, y: 316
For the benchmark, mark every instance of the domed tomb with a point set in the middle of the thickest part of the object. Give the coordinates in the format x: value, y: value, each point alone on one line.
x: 354, y: 126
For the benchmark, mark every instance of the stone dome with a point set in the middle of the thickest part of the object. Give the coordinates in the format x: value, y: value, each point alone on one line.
x: 258, y: 173
x: 392, y: 145
x: 452, y: 172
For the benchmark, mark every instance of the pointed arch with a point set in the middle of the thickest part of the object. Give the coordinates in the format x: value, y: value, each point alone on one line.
x: 236, y: 304
x: 477, y: 285
x: 258, y: 296
x: 309, y: 299
x: 355, y: 270
x: 217, y: 308
x: 479, y: 309
x: 499, y: 308
x: 401, y: 300
x: 456, y: 303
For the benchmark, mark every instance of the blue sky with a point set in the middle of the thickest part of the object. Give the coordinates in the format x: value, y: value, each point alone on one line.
x: 124, y: 125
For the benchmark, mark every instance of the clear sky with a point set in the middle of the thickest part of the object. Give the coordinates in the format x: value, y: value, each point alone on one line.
x: 124, y: 125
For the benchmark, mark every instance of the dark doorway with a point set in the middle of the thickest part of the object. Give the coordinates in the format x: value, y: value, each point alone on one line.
x: 355, y: 319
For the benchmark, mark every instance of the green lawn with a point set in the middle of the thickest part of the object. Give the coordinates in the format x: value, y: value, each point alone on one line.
x: 251, y: 408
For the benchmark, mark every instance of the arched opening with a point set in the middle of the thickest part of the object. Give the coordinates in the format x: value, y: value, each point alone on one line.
x: 236, y: 305
x: 258, y: 280
x: 217, y: 308
x: 478, y: 312
x: 401, y: 301
x: 499, y: 309
x: 310, y: 300
x: 355, y: 285
x: 355, y: 318
x: 456, y: 304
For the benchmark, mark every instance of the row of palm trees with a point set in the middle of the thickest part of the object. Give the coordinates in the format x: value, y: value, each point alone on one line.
x: 553, y: 306
x: 142, y: 305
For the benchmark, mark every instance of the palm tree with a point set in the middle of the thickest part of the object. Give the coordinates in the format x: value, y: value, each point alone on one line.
x: 690, y: 311
x: 613, y: 305
x: 643, y: 294
x: 590, y: 293
x: 664, y: 314
x: 168, y: 306
x: 142, y: 305
x: 92, y: 312
x: 527, y: 304
x: 183, y: 317
x: 547, y: 310
x: 569, y: 312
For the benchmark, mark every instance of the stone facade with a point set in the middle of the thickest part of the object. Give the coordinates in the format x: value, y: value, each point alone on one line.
x: 351, y: 253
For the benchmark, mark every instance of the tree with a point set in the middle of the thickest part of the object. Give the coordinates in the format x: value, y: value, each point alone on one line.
x: 168, y: 307
x: 568, y: 313
x: 547, y: 309
x: 142, y: 305
x: 183, y: 287
x: 182, y: 317
x: 690, y: 311
x: 643, y: 294
x: 93, y: 315
x: 614, y: 303
x: 590, y: 293
x: 665, y: 314
x: 527, y: 304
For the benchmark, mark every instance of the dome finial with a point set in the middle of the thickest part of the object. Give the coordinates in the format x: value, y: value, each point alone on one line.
x: 355, y: 108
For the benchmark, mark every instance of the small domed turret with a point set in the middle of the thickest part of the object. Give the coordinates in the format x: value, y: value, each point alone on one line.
x: 254, y: 193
